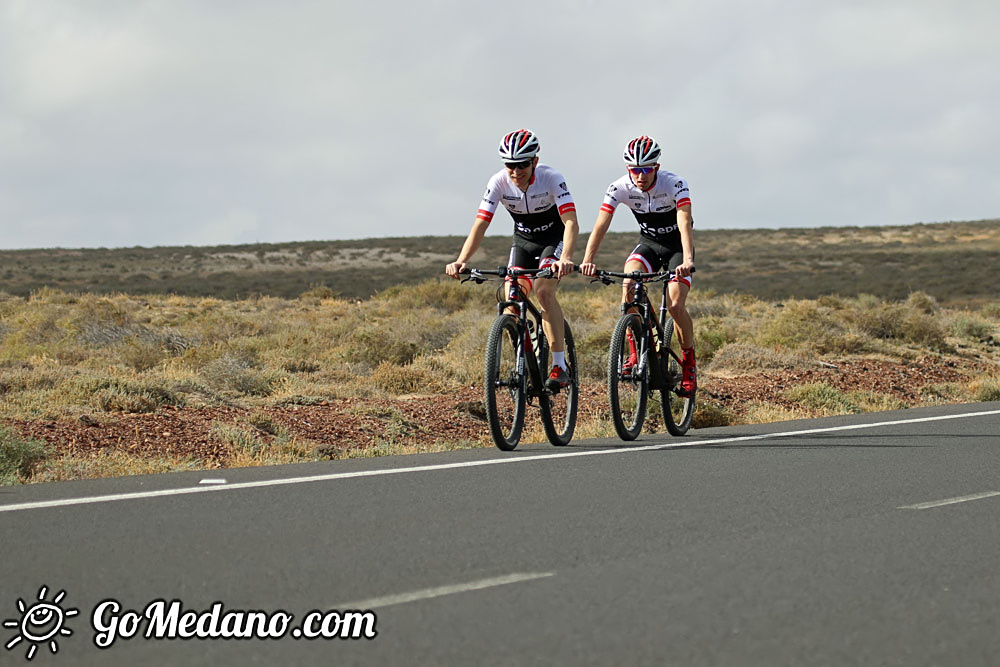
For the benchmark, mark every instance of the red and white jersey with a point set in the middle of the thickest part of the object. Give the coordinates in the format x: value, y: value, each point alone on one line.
x: 535, y: 211
x: 656, y: 208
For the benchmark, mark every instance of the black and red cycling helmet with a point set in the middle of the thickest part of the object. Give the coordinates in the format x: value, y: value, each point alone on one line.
x: 518, y: 146
x: 642, y: 152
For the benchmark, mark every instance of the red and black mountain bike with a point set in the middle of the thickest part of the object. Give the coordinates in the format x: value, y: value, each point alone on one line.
x: 517, y: 359
x: 644, y: 355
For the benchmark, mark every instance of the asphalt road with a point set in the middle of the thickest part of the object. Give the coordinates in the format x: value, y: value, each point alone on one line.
x: 803, y: 543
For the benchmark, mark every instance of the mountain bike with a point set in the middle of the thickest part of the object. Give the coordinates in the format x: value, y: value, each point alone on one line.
x: 658, y: 361
x: 517, y: 359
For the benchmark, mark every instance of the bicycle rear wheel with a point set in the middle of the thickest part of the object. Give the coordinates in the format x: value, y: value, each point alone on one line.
x: 628, y: 388
x: 559, y: 409
x: 505, y: 391
x: 677, y: 410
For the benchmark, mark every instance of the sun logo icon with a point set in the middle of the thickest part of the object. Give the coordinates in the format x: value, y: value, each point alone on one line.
x: 40, y: 623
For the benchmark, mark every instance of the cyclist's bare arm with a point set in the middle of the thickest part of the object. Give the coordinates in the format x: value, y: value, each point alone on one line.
x: 685, y: 223
x: 470, y: 247
x: 601, y: 225
x: 564, y: 266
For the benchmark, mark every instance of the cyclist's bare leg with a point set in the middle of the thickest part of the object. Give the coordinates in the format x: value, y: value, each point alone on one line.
x: 627, y: 285
x: 552, y: 314
x: 526, y: 288
x: 677, y: 292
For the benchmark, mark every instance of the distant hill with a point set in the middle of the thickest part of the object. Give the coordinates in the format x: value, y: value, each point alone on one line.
x: 956, y: 262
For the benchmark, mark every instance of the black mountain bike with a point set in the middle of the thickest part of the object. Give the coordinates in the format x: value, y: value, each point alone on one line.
x: 517, y: 360
x: 658, y: 361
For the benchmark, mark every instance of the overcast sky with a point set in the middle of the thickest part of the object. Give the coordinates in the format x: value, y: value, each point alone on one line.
x: 175, y: 122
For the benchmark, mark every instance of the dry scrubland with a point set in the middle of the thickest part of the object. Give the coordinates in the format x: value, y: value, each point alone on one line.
x: 953, y: 262
x: 80, y: 357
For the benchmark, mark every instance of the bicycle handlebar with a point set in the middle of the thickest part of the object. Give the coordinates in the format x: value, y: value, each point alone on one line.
x: 505, y: 271
x: 665, y: 276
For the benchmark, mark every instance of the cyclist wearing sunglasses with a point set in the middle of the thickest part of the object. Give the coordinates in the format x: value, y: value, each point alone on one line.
x: 661, y: 203
x: 545, y: 229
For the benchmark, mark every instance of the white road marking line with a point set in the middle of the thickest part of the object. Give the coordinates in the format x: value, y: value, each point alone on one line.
x: 212, y: 481
x: 429, y: 593
x: 950, y: 501
x: 138, y: 495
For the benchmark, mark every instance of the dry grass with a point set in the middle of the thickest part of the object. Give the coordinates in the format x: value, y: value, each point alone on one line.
x: 65, y: 354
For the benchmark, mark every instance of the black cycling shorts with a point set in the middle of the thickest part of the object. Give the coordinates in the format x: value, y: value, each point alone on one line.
x: 655, y: 256
x: 527, y: 255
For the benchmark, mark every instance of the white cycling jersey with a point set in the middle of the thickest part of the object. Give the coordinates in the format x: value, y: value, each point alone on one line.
x: 654, y: 209
x: 536, y: 211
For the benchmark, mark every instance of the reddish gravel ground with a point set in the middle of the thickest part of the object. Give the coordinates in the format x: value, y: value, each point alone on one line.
x: 337, y: 425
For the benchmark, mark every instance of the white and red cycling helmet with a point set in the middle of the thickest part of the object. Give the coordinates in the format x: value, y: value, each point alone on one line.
x: 518, y: 146
x: 642, y: 152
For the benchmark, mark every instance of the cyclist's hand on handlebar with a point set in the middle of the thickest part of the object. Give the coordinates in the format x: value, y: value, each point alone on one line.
x: 684, y: 270
x: 454, y: 269
x: 562, y: 267
x: 588, y: 269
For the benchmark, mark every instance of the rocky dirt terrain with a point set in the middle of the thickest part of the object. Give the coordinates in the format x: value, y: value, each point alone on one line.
x: 337, y: 426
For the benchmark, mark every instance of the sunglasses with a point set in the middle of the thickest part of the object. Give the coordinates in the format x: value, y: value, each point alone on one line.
x: 643, y: 170
x: 518, y: 165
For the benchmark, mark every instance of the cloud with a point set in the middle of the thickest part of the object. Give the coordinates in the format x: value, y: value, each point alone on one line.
x: 163, y: 123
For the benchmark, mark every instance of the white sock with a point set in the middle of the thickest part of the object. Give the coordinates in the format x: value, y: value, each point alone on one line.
x: 559, y: 359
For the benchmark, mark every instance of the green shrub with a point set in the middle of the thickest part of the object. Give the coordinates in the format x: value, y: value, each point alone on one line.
x: 744, y: 358
x: 19, y: 456
x: 442, y: 293
x: 803, y: 324
x: 946, y: 392
x: 710, y: 334
x: 923, y: 302
x: 238, y: 437
x: 822, y: 397
x: 900, y: 322
x: 408, y: 379
x: 239, y: 375
x: 985, y: 390
x: 592, y: 353
x: 971, y: 327
x: 115, y: 395
x: 709, y: 413
x: 319, y: 292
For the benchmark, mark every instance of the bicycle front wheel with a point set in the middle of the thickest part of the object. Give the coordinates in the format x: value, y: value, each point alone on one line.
x: 504, y: 383
x: 628, y: 382
x: 559, y: 409
x: 677, y: 410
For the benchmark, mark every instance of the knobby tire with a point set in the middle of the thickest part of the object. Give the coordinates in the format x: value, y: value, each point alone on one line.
x: 559, y: 410
x: 505, y: 387
x: 627, y: 395
x: 677, y: 410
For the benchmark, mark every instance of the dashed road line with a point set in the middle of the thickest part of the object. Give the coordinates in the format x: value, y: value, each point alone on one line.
x: 950, y: 501
x: 429, y: 593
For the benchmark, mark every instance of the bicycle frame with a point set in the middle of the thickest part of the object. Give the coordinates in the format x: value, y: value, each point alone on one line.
x: 659, y: 377
x: 517, y: 301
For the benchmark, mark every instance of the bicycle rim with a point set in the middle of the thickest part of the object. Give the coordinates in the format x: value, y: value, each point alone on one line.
x: 559, y: 409
x: 627, y: 391
x: 677, y: 410
x: 504, y: 385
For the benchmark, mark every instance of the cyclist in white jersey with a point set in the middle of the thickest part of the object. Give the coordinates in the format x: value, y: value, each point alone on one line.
x: 661, y: 203
x: 545, y: 229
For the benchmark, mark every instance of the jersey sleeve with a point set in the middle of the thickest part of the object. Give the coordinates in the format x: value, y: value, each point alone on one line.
x: 561, y: 193
x: 611, y: 198
x: 681, y: 193
x: 488, y: 205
